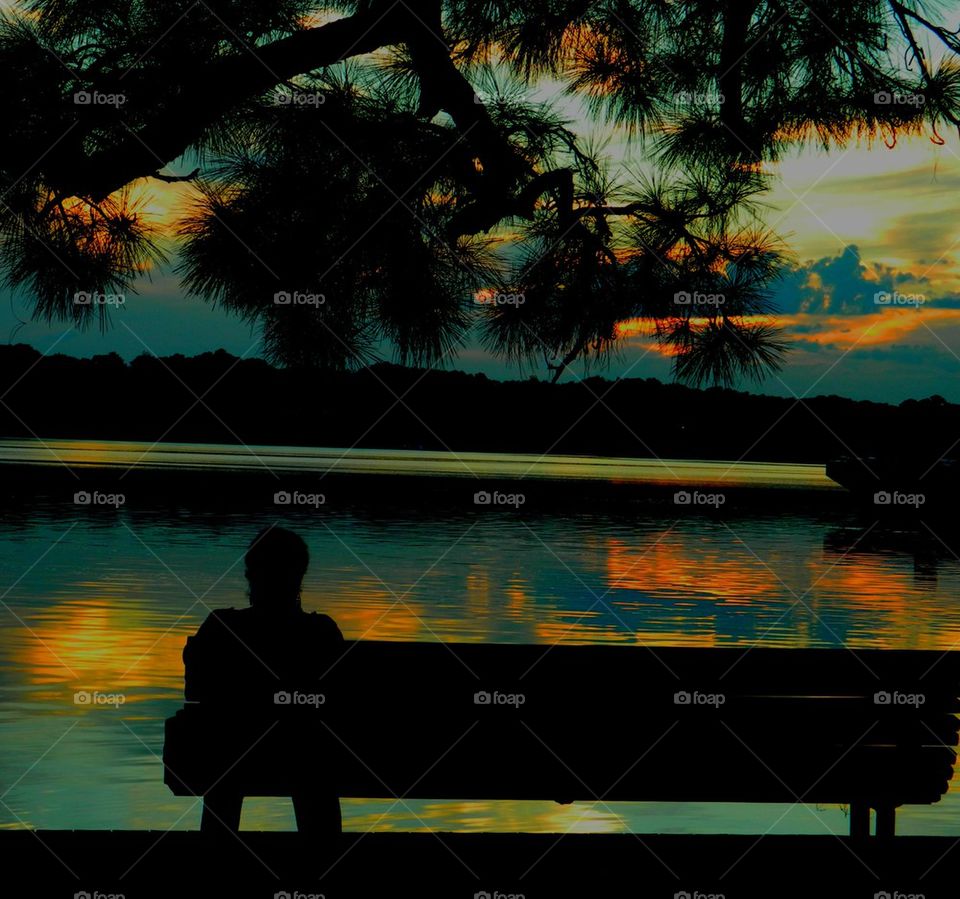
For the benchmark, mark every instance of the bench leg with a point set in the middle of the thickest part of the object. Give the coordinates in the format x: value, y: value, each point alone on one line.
x: 859, y: 819
x: 886, y: 821
x: 221, y: 812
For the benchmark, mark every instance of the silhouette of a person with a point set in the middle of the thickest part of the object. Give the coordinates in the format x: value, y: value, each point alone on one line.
x: 242, y: 659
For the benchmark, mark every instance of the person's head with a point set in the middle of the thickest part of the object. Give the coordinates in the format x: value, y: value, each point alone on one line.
x: 276, y: 562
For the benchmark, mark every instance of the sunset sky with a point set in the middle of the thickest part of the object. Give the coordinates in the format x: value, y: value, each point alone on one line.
x: 859, y: 221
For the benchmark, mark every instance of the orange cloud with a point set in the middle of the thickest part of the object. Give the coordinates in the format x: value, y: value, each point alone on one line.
x: 887, y: 326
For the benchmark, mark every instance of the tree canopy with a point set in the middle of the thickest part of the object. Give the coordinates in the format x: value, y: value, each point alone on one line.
x: 388, y: 173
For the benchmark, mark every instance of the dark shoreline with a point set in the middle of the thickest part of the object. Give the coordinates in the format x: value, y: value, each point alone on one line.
x: 218, y: 398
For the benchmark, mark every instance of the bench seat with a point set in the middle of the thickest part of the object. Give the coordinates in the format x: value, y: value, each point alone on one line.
x: 866, y: 728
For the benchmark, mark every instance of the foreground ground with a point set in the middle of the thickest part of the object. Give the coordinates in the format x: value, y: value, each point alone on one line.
x: 97, y: 865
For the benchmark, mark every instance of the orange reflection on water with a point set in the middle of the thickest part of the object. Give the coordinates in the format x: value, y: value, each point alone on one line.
x: 102, y: 644
x: 366, y: 609
x: 690, y: 568
x: 901, y: 613
x: 518, y: 599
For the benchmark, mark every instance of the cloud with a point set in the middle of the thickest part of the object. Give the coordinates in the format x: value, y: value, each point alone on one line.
x: 845, y: 285
x: 920, y: 181
x: 842, y: 341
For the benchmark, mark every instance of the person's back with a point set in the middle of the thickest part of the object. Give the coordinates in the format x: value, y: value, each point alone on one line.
x: 241, y: 659
x: 246, y: 656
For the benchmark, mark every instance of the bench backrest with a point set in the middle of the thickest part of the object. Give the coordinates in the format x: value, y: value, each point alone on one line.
x: 465, y: 721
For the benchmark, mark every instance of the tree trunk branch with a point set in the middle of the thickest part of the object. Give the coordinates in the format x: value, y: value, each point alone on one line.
x: 212, y: 89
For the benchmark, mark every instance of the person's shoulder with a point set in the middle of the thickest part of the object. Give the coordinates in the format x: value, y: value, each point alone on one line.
x: 324, y: 625
x: 225, y: 614
x: 219, y: 618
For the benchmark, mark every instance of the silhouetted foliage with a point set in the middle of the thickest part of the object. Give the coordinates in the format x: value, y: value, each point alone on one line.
x: 367, y: 171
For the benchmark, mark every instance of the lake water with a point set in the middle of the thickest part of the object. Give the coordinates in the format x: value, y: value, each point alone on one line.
x: 104, y: 600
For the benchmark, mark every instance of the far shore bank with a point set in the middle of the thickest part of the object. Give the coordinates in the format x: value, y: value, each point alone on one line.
x: 221, y: 399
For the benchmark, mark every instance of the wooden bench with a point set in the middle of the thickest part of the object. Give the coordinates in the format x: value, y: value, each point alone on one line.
x: 866, y: 728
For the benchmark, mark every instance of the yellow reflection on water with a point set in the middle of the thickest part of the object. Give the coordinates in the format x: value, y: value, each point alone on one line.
x: 508, y: 816
x: 101, y: 644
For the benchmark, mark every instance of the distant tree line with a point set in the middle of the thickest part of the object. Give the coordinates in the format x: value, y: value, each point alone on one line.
x: 390, y: 406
